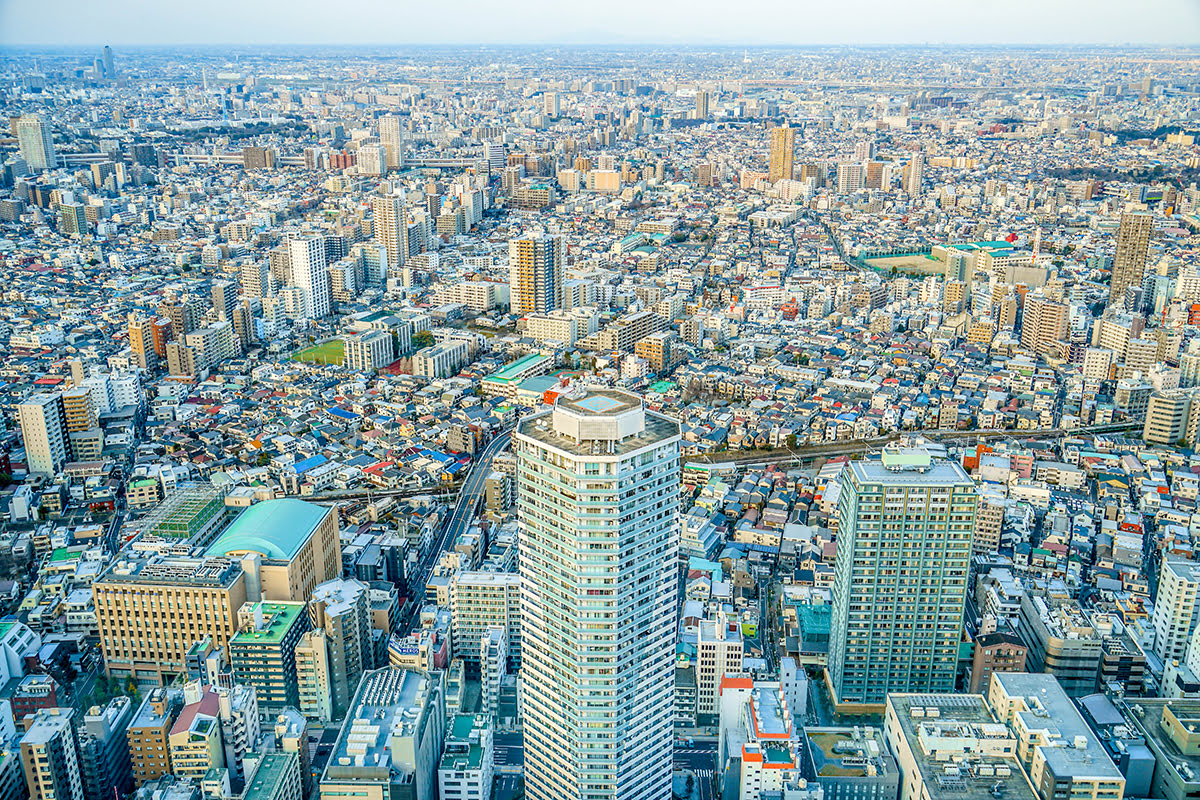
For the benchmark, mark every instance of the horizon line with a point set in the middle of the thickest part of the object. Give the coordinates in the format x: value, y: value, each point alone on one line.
x: 612, y: 43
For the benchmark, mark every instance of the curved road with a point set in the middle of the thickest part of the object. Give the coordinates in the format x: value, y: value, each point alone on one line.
x: 468, y: 498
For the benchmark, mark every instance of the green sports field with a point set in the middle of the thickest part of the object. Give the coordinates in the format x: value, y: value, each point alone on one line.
x: 331, y: 352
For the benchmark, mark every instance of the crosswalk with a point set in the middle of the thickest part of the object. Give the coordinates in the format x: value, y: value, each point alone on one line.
x: 695, y: 751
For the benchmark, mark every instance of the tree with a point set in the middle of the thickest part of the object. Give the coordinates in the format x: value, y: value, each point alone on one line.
x: 690, y: 785
x: 791, y: 441
x: 422, y: 339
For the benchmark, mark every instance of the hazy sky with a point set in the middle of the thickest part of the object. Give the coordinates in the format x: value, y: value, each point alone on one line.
x: 129, y: 22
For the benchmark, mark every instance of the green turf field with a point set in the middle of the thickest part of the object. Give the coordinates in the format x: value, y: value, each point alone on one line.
x: 331, y: 352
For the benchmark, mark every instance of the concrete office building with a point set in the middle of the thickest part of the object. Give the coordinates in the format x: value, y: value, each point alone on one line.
x: 50, y: 755
x: 950, y: 747
x: 1167, y: 417
x: 1062, y: 754
x: 104, y: 750
x: 536, y: 262
x: 897, y: 629
x: 851, y: 763
x: 1171, y: 729
x: 440, y: 360
x: 369, y: 351
x: 194, y: 743
x: 314, y: 684
x: 389, y: 744
x: 44, y: 430
x: 719, y: 650
x: 1061, y: 642
x: 150, y: 611
x: 599, y: 596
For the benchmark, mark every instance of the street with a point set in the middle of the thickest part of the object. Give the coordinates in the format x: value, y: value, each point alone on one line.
x: 700, y: 759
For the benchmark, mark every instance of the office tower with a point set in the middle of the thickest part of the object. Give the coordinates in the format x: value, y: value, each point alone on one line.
x: 1043, y: 322
x: 263, y: 652
x: 50, y: 755
x: 104, y: 750
x: 389, y: 743
x: 783, y: 151
x: 1133, y: 246
x: 110, y: 71
x: 598, y: 546
x: 148, y: 731
x: 33, y: 137
x: 903, y: 545
x: 535, y: 265
x: 310, y: 273
x: 341, y: 609
x: 44, y: 430
x: 702, y: 105
x: 389, y: 226
x: 550, y: 105
x: 391, y: 136
x: 150, y: 610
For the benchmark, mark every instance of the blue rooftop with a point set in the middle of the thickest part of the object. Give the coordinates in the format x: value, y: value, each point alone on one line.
x: 311, y: 462
x: 274, y: 528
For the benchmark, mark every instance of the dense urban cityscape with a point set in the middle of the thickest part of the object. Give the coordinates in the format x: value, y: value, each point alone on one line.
x: 600, y: 423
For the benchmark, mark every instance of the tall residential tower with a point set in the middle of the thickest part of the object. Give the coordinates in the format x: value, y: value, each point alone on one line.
x: 903, y: 548
x: 598, y: 485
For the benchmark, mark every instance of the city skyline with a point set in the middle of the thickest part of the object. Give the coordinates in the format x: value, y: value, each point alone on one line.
x: 124, y: 22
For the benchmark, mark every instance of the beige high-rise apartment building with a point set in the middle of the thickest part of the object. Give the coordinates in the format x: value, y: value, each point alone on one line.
x: 783, y: 153
x: 535, y: 265
x: 391, y: 136
x: 390, y: 228
x: 1133, y: 245
x: 1044, y: 322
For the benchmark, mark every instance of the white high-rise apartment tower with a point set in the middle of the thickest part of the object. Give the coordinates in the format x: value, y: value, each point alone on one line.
x: 33, y: 137
x: 310, y: 272
x: 598, y: 493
